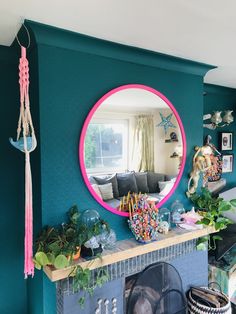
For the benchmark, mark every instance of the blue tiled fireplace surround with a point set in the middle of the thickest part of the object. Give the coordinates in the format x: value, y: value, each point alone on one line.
x: 191, y: 264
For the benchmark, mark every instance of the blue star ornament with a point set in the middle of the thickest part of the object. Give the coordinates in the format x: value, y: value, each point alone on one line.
x: 166, y: 123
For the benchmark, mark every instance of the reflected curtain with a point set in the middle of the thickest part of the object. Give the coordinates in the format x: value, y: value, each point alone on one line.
x: 143, y: 147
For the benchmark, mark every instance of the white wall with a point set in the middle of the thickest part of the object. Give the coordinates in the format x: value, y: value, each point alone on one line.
x: 162, y: 151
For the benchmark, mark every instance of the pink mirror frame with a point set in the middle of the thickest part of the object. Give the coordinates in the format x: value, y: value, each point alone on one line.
x: 83, y: 134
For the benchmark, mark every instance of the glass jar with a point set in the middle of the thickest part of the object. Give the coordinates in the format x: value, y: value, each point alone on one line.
x: 107, y: 239
x: 164, y: 215
x: 177, y: 209
x: 89, y: 217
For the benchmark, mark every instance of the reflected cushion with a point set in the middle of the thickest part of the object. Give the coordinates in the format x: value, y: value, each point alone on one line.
x: 166, y: 187
x: 106, y: 191
x: 153, y: 179
x: 126, y: 183
x: 96, y: 190
x: 170, y: 178
x: 109, y: 179
x: 141, y: 180
x: 92, y: 180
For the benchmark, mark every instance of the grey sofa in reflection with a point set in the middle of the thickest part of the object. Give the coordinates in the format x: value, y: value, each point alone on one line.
x: 149, y: 183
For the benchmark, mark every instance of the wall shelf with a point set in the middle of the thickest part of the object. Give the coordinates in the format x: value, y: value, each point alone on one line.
x: 127, y: 249
x: 171, y: 141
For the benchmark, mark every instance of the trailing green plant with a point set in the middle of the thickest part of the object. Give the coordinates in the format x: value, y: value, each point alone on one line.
x: 212, y: 210
x: 84, y: 282
x: 56, y: 246
x: 208, y: 242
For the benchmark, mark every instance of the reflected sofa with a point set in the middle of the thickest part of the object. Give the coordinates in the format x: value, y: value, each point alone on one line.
x: 111, y: 188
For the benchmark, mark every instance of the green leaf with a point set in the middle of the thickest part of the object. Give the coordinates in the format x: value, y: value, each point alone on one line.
x: 213, y: 208
x: 36, y: 264
x: 233, y: 202
x: 87, y: 272
x: 51, y: 258
x: 99, y: 255
x: 41, y: 258
x: 224, y: 206
x: 90, y: 291
x: 54, y: 246
x: 209, y: 216
x: 101, y: 280
x: 218, y: 225
x: 203, y: 239
x: 202, y: 247
x: 81, y: 302
x: 205, y: 221
x: 61, y: 262
x: 216, y: 237
x: 224, y: 221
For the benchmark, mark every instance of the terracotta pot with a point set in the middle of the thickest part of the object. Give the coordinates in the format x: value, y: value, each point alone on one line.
x: 76, y: 255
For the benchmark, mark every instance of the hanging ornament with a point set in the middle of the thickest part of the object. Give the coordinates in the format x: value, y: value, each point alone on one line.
x: 165, y: 122
x: 26, y: 142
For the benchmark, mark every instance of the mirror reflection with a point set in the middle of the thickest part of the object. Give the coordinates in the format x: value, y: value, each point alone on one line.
x: 132, y: 144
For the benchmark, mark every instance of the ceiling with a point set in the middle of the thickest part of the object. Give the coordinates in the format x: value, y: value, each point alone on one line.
x: 202, y: 30
x: 133, y: 100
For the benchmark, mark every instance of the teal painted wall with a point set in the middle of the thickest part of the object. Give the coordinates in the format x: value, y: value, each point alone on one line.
x: 69, y: 73
x: 68, y: 90
x: 221, y: 98
x: 70, y: 83
x: 13, y: 289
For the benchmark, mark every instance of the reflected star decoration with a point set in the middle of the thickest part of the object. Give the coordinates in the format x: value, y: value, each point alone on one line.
x: 165, y: 122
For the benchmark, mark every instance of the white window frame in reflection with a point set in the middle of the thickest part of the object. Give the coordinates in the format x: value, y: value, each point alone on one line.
x: 125, y: 146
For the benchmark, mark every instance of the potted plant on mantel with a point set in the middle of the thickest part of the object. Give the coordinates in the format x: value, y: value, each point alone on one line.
x: 212, y: 210
x: 60, y: 246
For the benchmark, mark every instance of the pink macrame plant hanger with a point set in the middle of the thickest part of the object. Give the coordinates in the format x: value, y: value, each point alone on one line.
x: 26, y: 142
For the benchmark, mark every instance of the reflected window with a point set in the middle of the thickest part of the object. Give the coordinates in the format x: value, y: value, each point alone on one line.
x: 106, y: 146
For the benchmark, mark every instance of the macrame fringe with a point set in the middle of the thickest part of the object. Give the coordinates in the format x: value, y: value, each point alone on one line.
x: 29, y: 265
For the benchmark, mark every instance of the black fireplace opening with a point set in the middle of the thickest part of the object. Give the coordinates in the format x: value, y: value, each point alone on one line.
x: 157, y: 289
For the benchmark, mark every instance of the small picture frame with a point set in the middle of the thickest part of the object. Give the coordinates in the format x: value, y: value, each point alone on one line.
x: 227, y: 163
x: 226, y: 141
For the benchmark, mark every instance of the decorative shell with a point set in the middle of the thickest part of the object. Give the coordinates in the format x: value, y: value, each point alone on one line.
x: 163, y: 227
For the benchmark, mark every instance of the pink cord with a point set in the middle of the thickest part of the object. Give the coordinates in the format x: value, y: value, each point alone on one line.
x: 25, y: 120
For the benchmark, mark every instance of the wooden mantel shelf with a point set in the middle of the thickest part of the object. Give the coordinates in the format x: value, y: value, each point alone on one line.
x: 127, y: 249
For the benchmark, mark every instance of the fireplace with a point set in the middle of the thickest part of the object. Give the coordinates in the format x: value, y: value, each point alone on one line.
x: 190, y: 263
x: 157, y: 289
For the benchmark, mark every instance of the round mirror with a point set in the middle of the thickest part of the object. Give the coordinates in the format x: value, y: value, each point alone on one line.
x: 132, y: 143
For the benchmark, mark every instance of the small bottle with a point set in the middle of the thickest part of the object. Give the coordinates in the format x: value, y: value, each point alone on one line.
x: 177, y: 209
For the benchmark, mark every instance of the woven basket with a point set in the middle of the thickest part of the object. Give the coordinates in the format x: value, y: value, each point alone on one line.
x: 195, y: 307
